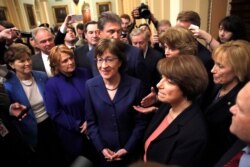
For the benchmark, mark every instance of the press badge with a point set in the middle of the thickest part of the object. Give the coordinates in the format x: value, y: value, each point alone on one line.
x: 3, y: 130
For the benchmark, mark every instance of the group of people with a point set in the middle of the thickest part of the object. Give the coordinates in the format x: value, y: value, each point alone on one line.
x: 116, y: 101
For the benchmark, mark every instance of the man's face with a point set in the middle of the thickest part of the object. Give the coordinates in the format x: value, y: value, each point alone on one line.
x: 125, y: 24
x: 163, y: 28
x: 139, y: 41
x: 240, y: 125
x: 183, y: 23
x: 80, y: 33
x: 92, y: 34
x: 44, y: 40
x: 70, y: 36
x: 111, y: 30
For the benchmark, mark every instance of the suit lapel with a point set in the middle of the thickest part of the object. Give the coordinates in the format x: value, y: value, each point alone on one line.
x: 123, y: 89
x: 40, y: 62
x: 101, y: 91
x: 175, y: 126
x: 156, y: 120
x: 18, y: 91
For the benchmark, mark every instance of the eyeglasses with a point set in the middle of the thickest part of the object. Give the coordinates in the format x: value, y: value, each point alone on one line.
x: 106, y: 60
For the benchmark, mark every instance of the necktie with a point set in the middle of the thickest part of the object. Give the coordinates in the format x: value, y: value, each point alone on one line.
x: 234, y: 162
x: 72, y: 48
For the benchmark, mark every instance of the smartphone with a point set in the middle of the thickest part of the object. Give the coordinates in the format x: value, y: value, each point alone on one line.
x: 23, y: 112
x: 194, y: 27
x: 77, y: 17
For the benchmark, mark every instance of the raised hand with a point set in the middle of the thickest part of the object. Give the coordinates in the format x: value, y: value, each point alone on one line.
x: 145, y: 110
x: 150, y: 99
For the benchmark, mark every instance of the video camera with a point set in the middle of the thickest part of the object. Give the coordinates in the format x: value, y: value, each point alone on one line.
x: 144, y: 11
x: 24, y: 34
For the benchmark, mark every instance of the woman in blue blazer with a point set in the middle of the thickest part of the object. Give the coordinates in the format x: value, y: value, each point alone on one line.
x: 65, y: 98
x: 26, y: 89
x: 114, y: 127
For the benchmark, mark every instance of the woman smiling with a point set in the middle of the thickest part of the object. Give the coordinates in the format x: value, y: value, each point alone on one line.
x: 114, y: 127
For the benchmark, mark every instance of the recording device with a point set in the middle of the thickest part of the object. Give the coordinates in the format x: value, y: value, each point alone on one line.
x: 24, y: 34
x: 77, y: 17
x: 193, y: 27
x: 23, y: 112
x: 124, y: 34
x: 144, y: 11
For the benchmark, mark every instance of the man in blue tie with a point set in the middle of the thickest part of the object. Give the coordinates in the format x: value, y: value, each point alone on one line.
x: 240, y: 126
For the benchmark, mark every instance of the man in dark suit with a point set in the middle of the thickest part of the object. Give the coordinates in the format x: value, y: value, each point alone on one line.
x: 185, y: 19
x: 240, y: 126
x: 67, y: 34
x: 109, y: 25
x: 91, y: 33
x: 44, y: 40
x: 151, y: 57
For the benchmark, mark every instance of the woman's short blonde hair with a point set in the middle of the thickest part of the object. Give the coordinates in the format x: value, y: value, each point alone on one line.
x: 237, y: 54
x: 186, y: 71
x: 55, y: 57
x: 180, y: 38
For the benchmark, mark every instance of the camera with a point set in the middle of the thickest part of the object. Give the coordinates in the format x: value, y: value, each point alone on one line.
x: 124, y: 34
x: 144, y: 11
x: 26, y: 34
x: 23, y: 34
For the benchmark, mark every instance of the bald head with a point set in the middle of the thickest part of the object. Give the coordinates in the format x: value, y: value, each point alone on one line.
x: 240, y: 125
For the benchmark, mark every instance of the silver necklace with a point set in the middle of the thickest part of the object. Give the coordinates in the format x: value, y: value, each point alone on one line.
x: 27, y: 82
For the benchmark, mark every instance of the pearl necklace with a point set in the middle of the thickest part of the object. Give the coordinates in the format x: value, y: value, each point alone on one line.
x: 112, y: 89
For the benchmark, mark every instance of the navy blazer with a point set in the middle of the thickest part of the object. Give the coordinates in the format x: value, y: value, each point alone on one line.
x: 64, y: 99
x: 182, y: 142
x: 151, y: 60
x: 28, y: 125
x: 114, y: 124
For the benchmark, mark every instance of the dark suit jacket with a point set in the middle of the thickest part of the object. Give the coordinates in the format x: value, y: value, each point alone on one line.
x: 237, y: 147
x: 114, y: 124
x: 151, y: 60
x: 12, y: 144
x: 205, y: 55
x: 182, y: 142
x: 135, y: 65
x: 37, y: 62
x: 218, y: 119
x: 81, y: 58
